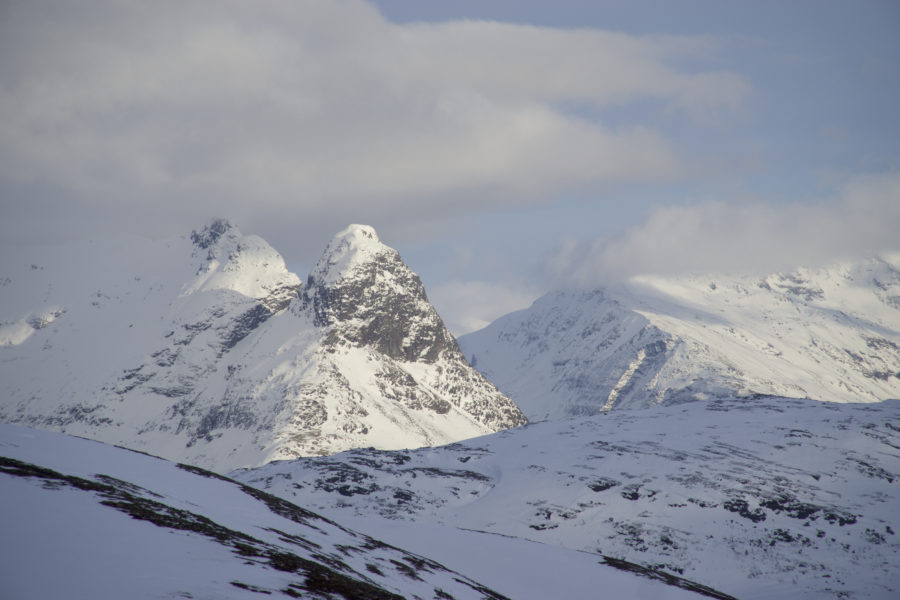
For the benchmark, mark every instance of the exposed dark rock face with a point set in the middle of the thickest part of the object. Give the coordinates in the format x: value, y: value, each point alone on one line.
x: 210, y: 234
x: 244, y: 324
x: 381, y: 305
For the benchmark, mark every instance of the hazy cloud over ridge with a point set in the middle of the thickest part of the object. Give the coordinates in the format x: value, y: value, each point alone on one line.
x: 467, y: 306
x: 174, y: 111
x: 743, y: 237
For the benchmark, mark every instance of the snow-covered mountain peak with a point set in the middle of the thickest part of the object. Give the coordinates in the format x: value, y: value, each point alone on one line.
x: 354, y: 247
x: 377, y: 365
x: 194, y: 354
x: 830, y: 333
x: 246, y: 264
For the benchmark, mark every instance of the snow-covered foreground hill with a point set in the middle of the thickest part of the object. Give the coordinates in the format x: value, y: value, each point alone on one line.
x: 830, y: 334
x: 205, y: 349
x: 81, y: 519
x: 759, y: 497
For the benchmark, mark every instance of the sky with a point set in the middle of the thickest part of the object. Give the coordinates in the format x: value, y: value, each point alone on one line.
x: 503, y: 147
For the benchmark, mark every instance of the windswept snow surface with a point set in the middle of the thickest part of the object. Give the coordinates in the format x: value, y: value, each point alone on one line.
x: 759, y: 497
x: 81, y: 519
x: 831, y: 334
x: 205, y: 349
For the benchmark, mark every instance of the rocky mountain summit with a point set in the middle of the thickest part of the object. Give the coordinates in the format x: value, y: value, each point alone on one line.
x: 239, y: 283
x: 368, y: 297
x: 365, y: 297
x: 205, y: 349
x: 829, y: 334
x: 372, y: 364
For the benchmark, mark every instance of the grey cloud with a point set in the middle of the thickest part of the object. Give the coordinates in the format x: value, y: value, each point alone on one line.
x: 467, y: 306
x: 117, y: 112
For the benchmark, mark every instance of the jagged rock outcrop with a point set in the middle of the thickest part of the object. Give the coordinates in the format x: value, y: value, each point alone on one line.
x: 368, y: 297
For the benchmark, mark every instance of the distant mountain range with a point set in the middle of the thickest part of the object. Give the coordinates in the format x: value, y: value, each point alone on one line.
x: 763, y: 462
x: 829, y: 334
x: 205, y: 349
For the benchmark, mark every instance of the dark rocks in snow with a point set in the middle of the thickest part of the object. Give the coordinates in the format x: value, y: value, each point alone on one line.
x: 210, y: 234
x: 742, y: 508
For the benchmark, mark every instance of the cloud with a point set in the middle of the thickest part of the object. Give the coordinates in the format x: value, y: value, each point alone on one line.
x: 860, y: 221
x: 467, y: 306
x: 132, y: 114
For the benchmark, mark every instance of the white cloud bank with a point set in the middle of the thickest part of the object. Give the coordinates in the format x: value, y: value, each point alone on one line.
x: 308, y: 110
x: 861, y: 221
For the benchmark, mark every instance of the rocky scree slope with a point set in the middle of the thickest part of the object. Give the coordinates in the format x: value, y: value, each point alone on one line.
x: 205, y: 349
x: 830, y: 334
x: 761, y: 497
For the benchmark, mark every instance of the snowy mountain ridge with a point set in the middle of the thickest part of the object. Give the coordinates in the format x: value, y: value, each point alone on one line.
x: 205, y: 349
x: 830, y: 334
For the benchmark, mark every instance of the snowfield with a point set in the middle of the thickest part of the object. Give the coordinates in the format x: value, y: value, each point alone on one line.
x: 81, y: 519
x: 762, y: 497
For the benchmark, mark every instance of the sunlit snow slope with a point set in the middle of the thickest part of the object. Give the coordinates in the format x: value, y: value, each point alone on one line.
x: 205, y: 349
x: 830, y: 334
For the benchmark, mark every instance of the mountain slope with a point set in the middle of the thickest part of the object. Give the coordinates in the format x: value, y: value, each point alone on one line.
x: 102, y: 334
x: 82, y: 519
x: 760, y: 497
x: 830, y: 334
x: 86, y: 520
x: 205, y: 349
